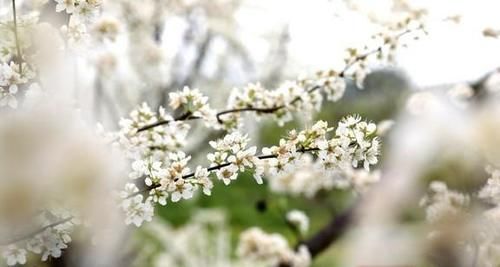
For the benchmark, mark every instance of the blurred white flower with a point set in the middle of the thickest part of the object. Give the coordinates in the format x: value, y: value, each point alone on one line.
x: 299, y: 220
x: 14, y: 255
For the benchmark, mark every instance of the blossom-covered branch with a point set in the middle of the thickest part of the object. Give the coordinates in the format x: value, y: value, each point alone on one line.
x: 353, y: 143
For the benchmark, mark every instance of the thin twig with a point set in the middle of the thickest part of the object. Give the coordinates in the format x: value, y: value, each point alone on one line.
x: 239, y: 110
x: 183, y: 117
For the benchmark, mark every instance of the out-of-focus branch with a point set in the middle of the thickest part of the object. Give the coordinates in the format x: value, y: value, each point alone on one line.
x: 331, y: 232
x: 28, y: 235
x: 202, y: 54
x: 279, y: 58
x: 16, y: 36
x: 195, y: 68
x: 479, y: 85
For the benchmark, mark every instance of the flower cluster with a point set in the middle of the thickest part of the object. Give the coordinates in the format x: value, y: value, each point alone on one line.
x: 136, y: 209
x: 81, y: 13
x: 12, y: 76
x: 481, y: 221
x: 233, y: 152
x: 333, y: 85
x: 192, y: 102
x: 171, y: 176
x: 155, y: 142
x: 271, y: 249
x: 48, y: 242
x: 353, y: 143
x: 442, y: 202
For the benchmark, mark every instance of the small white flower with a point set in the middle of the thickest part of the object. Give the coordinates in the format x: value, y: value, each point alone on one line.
x: 201, y: 174
x: 159, y: 196
x: 137, y: 211
x: 139, y: 169
x: 227, y: 174
x: 180, y: 189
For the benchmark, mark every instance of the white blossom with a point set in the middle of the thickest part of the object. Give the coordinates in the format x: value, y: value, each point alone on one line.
x: 180, y: 189
x: 137, y: 210
x: 201, y: 174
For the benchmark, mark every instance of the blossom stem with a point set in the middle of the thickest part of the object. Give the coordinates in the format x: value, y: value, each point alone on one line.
x: 16, y: 36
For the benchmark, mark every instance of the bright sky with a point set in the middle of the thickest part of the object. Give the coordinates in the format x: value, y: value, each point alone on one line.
x: 319, y: 36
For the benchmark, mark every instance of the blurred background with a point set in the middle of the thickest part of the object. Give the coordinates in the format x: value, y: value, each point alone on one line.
x: 140, y: 51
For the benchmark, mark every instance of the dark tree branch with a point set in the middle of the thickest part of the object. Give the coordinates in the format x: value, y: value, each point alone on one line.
x: 338, y: 225
x: 329, y: 234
